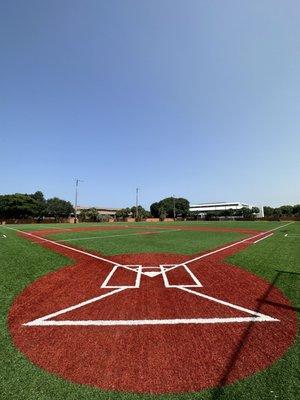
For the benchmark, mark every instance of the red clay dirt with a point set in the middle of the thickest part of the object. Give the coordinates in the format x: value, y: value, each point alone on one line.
x: 152, y: 358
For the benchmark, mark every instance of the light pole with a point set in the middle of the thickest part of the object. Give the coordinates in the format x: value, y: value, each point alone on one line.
x: 76, y: 197
x: 174, y: 209
x: 137, y: 203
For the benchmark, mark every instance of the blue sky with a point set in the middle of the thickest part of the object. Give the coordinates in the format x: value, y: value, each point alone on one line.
x: 200, y: 99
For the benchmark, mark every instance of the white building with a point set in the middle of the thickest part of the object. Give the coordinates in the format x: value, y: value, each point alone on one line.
x: 203, y: 208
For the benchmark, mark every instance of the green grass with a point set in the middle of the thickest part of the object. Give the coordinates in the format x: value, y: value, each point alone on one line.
x: 21, y: 262
x: 181, y: 242
x: 256, y: 225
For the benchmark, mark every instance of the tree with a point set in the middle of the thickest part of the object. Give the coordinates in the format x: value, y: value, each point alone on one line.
x: 286, y: 210
x: 255, y: 210
x: 162, y: 213
x: 123, y: 214
x: 92, y: 214
x: 296, y: 210
x: 268, y: 211
x: 154, y: 209
x: 40, y: 203
x: 182, y: 207
x: 246, y: 212
x: 142, y: 213
x: 18, y: 205
x: 58, y: 208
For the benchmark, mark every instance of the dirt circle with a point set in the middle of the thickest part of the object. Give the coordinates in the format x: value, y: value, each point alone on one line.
x: 144, y: 357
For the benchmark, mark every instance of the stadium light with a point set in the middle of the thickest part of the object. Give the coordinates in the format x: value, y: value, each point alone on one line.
x: 76, y: 197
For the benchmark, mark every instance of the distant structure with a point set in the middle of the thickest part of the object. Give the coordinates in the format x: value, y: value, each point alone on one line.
x: 204, y: 208
x: 101, y: 210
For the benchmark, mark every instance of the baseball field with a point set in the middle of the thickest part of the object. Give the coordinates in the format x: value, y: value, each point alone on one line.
x: 170, y: 310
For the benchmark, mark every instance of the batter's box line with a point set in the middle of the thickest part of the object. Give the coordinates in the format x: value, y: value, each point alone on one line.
x: 47, y: 320
x: 169, y: 267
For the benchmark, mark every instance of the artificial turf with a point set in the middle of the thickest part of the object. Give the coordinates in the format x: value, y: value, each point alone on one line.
x: 163, y: 241
x: 21, y: 262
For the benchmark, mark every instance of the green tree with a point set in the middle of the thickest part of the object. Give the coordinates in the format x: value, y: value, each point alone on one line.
x: 268, y: 211
x: 296, y: 210
x: 58, y: 208
x: 142, y: 213
x: 123, y: 214
x: 18, y: 205
x: 92, y: 214
x: 40, y: 203
x: 182, y: 207
x: 286, y: 210
x: 154, y: 210
x: 162, y: 213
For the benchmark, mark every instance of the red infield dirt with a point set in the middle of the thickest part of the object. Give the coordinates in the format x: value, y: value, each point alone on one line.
x: 145, y: 336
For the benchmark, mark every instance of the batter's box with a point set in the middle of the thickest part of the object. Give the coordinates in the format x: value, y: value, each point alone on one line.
x: 177, y: 276
x: 123, y: 276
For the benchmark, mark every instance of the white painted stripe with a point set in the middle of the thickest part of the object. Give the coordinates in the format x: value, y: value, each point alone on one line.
x: 64, y: 246
x: 293, y: 235
x: 71, y: 308
x: 150, y: 321
x: 263, y: 238
x: 231, y: 305
x: 232, y: 245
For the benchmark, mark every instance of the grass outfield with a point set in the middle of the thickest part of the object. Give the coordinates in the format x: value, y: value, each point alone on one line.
x: 21, y: 262
x: 142, y: 241
x: 255, y: 225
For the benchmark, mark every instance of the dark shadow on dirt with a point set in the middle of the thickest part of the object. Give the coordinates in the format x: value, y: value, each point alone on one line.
x: 219, y: 392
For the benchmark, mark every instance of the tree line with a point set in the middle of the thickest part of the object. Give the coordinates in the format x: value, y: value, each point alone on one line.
x: 282, y: 211
x: 33, y: 206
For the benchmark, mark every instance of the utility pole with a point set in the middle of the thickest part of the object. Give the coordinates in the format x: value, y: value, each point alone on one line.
x: 76, y: 197
x: 174, y: 208
x: 137, y: 203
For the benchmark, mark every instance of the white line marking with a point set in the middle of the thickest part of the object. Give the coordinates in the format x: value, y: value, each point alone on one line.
x: 46, y: 320
x: 71, y: 308
x: 165, y: 269
x: 65, y: 246
x: 111, y: 236
x: 292, y: 235
x: 232, y: 245
x: 135, y: 322
x: 231, y: 305
x: 263, y: 238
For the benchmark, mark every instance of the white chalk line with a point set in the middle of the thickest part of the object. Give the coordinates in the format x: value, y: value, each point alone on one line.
x: 65, y: 246
x: 48, y: 319
x: 45, y: 320
x: 111, y: 236
x: 263, y: 238
x: 232, y: 245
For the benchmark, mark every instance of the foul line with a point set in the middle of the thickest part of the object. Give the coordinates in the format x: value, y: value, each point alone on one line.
x: 263, y: 238
x: 231, y: 245
x: 177, y: 265
x: 64, y: 246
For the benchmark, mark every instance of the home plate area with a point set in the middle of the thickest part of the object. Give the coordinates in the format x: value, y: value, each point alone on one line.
x: 152, y: 323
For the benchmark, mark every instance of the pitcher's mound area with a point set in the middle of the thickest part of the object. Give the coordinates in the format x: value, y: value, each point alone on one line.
x: 144, y: 324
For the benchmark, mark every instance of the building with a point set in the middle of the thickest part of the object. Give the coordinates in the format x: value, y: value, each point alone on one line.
x: 203, y: 208
x: 101, y: 210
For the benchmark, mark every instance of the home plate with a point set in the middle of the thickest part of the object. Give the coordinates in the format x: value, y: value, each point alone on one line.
x: 149, y: 323
x: 152, y: 273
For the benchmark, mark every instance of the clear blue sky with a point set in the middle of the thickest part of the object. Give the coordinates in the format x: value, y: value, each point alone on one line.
x: 200, y: 99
